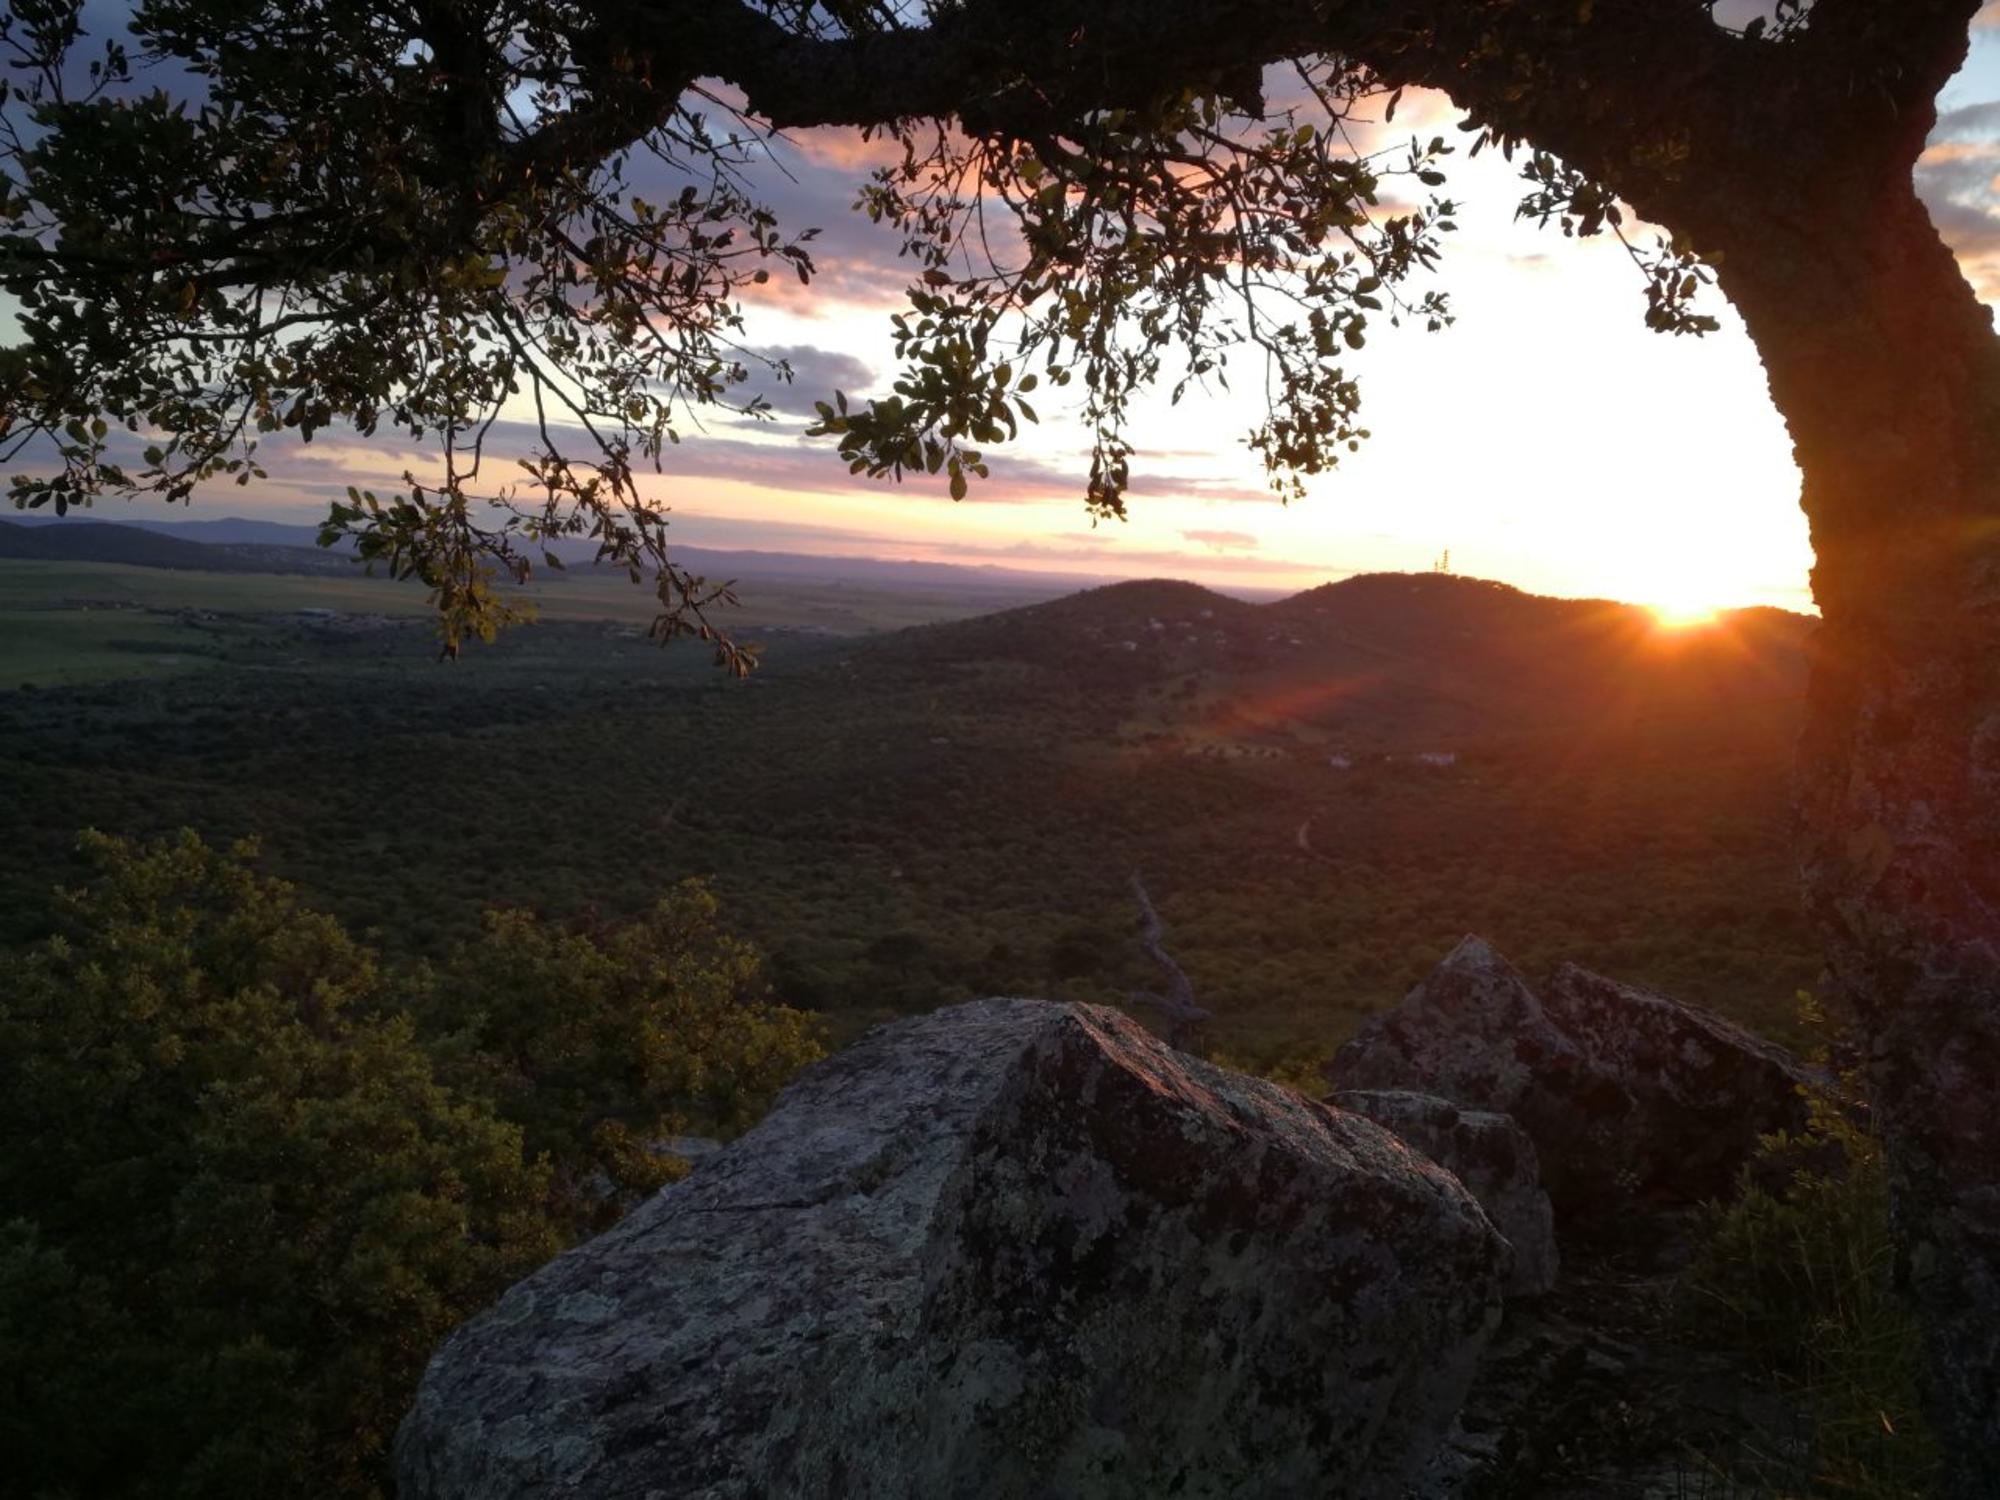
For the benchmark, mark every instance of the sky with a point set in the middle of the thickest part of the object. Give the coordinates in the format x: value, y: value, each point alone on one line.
x: 1546, y: 439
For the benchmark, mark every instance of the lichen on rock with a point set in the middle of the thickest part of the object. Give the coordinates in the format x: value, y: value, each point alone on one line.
x: 1012, y: 1248
x: 1630, y: 1097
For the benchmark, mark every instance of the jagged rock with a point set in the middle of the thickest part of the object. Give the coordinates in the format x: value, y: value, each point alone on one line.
x: 1492, y: 1156
x: 1009, y: 1249
x: 1627, y: 1095
x: 1702, y: 1089
x: 1589, y: 1395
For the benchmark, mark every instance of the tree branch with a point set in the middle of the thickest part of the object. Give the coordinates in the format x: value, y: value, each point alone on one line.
x: 1608, y: 86
x: 1079, y: 54
x: 1893, y: 57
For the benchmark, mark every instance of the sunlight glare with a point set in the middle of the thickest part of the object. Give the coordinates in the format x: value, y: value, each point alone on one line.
x: 1684, y: 612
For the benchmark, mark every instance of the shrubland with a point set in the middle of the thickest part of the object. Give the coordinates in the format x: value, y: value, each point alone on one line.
x: 1798, y: 1271
x: 250, y: 1173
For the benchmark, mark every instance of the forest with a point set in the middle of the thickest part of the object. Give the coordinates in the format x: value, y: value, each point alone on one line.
x: 907, y: 818
x: 513, y: 920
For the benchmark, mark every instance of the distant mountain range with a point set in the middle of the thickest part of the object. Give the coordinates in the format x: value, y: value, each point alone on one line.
x: 138, y: 546
x: 1374, y: 658
x: 235, y: 544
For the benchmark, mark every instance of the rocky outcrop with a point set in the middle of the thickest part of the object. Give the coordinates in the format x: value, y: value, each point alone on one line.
x: 1008, y: 1249
x: 1699, y: 1090
x: 1628, y: 1096
x: 1492, y: 1156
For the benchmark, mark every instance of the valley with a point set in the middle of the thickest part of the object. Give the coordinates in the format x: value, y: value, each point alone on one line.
x: 1322, y: 793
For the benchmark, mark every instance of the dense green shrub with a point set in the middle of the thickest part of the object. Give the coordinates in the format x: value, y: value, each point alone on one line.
x: 244, y: 1192
x: 1798, y: 1271
x: 597, y: 1039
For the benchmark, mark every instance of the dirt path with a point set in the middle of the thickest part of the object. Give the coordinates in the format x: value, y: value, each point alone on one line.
x: 1303, y: 838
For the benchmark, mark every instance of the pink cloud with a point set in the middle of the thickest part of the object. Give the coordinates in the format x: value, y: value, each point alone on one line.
x: 1222, y: 541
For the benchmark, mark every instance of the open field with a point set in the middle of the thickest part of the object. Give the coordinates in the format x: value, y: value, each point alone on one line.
x: 66, y: 623
x: 64, y: 647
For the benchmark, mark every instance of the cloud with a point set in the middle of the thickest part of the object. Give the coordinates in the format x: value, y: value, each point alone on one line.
x: 1968, y: 119
x: 772, y: 455
x: 816, y: 374
x: 1956, y: 178
x: 1126, y: 559
x: 1222, y: 541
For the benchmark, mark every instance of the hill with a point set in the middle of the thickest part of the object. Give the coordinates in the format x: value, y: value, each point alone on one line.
x: 135, y: 546
x: 280, y: 541
x: 1381, y: 660
x: 1530, y: 655
x: 1323, y: 794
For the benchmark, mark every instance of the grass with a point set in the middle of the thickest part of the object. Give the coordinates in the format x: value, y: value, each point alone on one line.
x: 65, y: 648
x: 63, y: 586
x: 68, y: 623
x: 1800, y: 1277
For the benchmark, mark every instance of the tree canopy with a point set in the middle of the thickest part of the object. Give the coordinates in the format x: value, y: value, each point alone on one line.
x: 225, y: 222
x: 249, y: 1175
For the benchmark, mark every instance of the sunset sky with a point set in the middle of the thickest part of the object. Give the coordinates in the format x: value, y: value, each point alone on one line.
x: 1546, y: 439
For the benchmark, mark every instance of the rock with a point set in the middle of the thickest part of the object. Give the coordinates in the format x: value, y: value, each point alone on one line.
x: 1473, y: 1032
x: 1701, y: 1090
x: 1626, y: 1094
x: 1492, y: 1156
x: 1008, y: 1249
x: 1588, y: 1395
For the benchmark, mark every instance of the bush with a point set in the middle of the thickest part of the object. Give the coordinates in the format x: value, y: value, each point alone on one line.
x: 244, y: 1192
x: 257, y: 1203
x: 1799, y: 1272
x: 598, y: 1040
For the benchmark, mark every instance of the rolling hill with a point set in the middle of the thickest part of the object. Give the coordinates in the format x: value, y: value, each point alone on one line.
x: 278, y: 543
x: 134, y: 546
x: 1381, y: 660
x: 1323, y: 793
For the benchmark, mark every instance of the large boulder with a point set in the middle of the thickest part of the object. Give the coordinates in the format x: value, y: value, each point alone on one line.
x: 1492, y: 1156
x: 1629, y: 1096
x: 1009, y: 1249
x: 1698, y: 1090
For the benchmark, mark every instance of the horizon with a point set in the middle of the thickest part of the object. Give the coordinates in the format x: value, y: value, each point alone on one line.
x: 1027, y: 580
x: 1543, y: 441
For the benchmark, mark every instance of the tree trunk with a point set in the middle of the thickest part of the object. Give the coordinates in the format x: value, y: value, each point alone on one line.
x: 1887, y: 372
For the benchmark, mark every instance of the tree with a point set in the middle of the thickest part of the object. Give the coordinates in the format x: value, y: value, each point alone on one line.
x: 237, y: 1207
x: 249, y: 1178
x: 599, y: 1041
x: 190, y: 274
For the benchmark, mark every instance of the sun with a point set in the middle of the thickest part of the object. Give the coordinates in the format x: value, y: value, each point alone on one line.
x: 1684, y: 611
